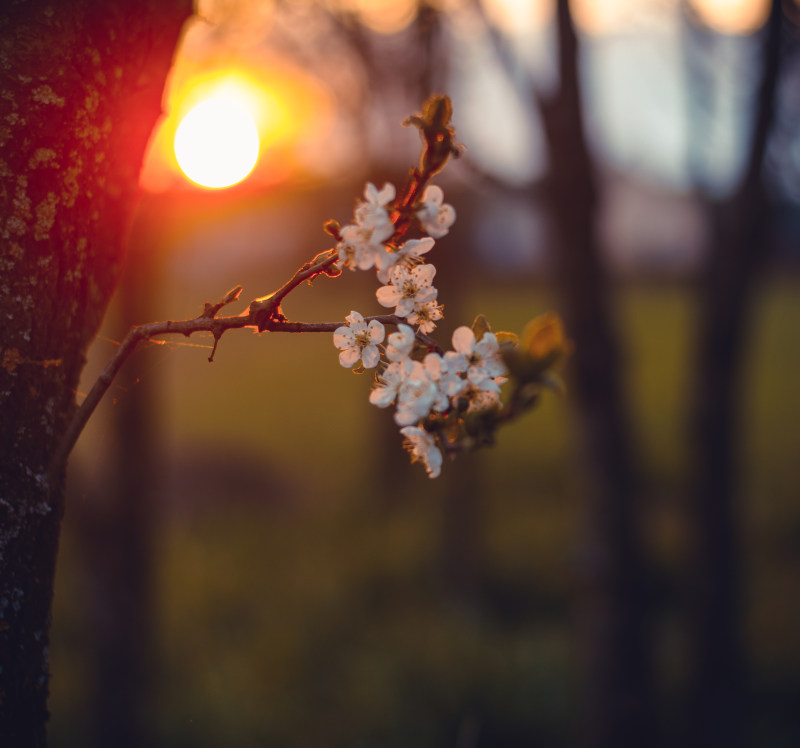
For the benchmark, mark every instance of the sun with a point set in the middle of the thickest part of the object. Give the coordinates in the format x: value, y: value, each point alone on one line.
x: 216, y: 143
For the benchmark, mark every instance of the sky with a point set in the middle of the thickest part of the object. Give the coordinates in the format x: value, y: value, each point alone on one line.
x: 636, y: 87
x: 633, y: 66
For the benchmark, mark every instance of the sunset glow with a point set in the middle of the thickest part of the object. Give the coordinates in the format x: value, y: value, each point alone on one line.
x: 289, y: 110
x: 732, y: 16
x: 216, y: 143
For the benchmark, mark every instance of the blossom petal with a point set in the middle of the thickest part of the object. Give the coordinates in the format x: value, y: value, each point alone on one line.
x: 354, y: 318
x: 387, y: 296
x: 365, y: 260
x: 446, y: 215
x: 386, y: 194
x: 376, y: 331
x: 349, y: 356
x: 382, y: 229
x: 433, y: 194
x: 400, y: 344
x: 344, y: 337
x: 487, y: 345
x: 452, y: 385
x: 393, y: 375
x: 382, y: 396
x: 433, y: 365
x: 455, y: 362
x: 423, y: 274
x: 463, y: 340
x: 424, y: 295
x: 423, y: 447
x: 370, y: 356
x: 404, y: 307
x: 438, y: 224
x: 416, y: 247
x: 371, y: 193
x: 433, y: 463
x: 405, y: 417
x: 379, y: 197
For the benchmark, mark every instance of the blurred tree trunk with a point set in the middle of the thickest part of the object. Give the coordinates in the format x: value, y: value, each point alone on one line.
x: 612, y: 599
x: 717, y: 700
x: 81, y: 90
x: 119, y: 526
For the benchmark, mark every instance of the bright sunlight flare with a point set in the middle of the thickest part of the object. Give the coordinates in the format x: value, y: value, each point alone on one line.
x: 216, y: 143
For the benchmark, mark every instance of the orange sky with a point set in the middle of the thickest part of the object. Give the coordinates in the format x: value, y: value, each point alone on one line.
x: 294, y: 112
x: 291, y: 109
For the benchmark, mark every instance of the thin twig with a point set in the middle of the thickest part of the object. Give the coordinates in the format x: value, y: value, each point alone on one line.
x: 217, y: 327
x: 268, y: 308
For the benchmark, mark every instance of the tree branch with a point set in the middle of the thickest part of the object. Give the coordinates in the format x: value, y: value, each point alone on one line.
x: 264, y: 313
x: 255, y: 317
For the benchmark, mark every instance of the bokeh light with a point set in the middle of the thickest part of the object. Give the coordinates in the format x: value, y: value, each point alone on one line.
x: 732, y: 16
x: 519, y: 16
x: 291, y: 108
x: 383, y: 16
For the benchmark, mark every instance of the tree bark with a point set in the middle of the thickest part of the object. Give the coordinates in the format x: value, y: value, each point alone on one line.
x: 80, y: 90
x: 717, y: 699
x: 618, y: 700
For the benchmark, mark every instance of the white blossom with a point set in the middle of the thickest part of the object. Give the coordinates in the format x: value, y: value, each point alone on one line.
x: 400, y: 344
x: 372, y: 211
x: 389, y: 382
x: 483, y: 357
x: 434, y: 216
x: 481, y: 399
x: 360, y: 247
x: 415, y: 396
x: 362, y: 244
x: 422, y: 447
x: 425, y: 316
x: 408, y: 253
x: 408, y: 287
x: 446, y: 372
x: 359, y: 341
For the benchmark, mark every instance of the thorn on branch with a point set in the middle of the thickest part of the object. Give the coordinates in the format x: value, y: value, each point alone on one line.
x: 217, y: 333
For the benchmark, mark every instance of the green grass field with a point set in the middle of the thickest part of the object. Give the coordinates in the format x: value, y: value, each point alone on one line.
x: 305, y: 602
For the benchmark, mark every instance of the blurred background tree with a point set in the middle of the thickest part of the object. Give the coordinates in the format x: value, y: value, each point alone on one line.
x: 738, y: 251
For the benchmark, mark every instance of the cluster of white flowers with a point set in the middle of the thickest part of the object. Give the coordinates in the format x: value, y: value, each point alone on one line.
x: 462, y: 380
x: 408, y: 281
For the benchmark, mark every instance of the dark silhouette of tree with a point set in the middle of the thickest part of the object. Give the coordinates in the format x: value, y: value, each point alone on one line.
x: 729, y: 277
x: 81, y: 90
x: 612, y: 606
x: 611, y: 599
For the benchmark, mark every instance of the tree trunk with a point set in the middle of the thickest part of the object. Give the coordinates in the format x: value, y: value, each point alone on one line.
x: 717, y: 711
x: 80, y: 90
x: 612, y: 600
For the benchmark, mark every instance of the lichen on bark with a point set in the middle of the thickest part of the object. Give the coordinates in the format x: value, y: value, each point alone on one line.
x: 80, y: 90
